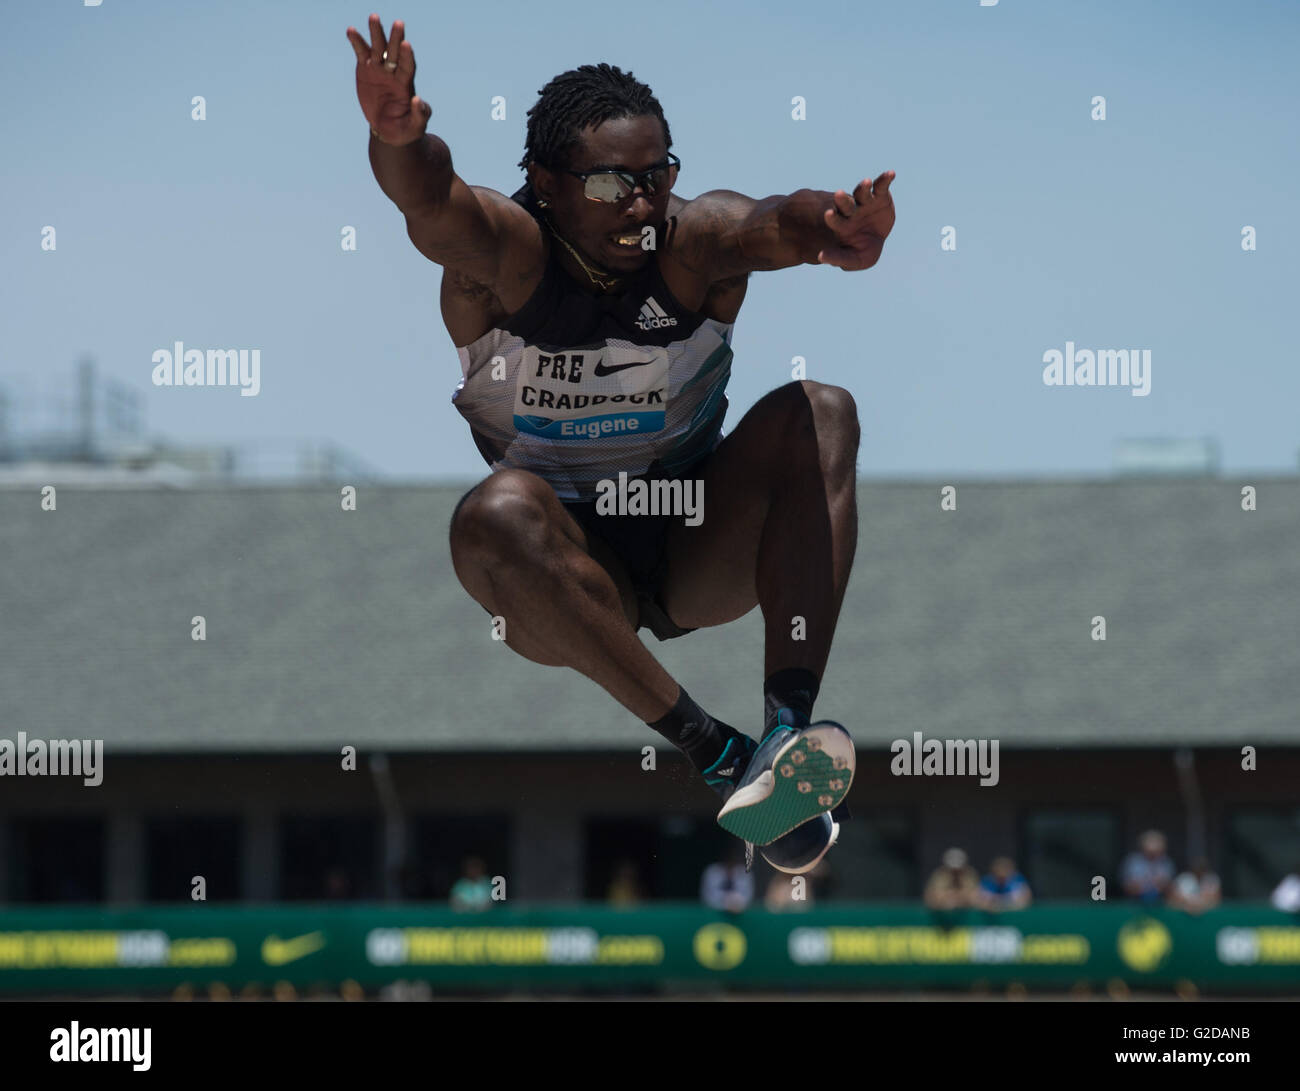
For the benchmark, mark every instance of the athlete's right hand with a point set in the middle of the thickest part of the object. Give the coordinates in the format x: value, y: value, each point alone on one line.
x: 388, y: 99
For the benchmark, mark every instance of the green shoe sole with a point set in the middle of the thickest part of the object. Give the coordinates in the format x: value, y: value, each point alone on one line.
x: 810, y: 775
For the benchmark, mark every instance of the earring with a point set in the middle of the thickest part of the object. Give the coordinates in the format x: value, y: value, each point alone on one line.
x: 542, y: 203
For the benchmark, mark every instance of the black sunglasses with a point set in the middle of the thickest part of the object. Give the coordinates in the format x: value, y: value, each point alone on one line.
x: 611, y: 185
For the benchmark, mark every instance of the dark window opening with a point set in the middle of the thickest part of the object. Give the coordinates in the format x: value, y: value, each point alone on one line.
x: 57, y: 860
x: 440, y: 845
x: 1065, y: 850
x: 179, y: 848
x: 329, y: 858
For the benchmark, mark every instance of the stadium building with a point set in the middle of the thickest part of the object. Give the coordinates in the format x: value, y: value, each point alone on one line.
x: 330, y: 633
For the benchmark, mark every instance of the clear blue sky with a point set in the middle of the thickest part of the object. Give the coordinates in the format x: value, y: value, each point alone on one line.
x: 1122, y: 233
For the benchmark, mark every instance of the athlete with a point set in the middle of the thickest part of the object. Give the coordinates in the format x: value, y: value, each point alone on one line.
x: 592, y: 312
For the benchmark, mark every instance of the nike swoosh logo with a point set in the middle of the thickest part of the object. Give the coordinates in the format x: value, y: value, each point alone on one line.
x: 277, y: 951
x: 601, y: 369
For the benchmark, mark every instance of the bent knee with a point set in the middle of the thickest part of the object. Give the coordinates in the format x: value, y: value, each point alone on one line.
x: 833, y: 404
x: 821, y: 409
x: 506, y: 507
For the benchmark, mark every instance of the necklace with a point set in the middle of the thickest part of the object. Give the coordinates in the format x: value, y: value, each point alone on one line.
x: 604, y: 283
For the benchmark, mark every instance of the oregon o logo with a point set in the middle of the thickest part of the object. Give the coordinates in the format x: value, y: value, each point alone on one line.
x: 1144, y: 944
x: 719, y: 947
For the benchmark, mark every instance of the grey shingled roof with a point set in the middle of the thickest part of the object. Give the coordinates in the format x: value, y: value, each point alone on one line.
x: 326, y: 627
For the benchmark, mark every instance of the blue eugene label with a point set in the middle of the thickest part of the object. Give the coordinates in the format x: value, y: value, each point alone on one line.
x: 592, y: 392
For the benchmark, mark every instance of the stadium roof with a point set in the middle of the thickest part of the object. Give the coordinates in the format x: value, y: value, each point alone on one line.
x: 327, y: 627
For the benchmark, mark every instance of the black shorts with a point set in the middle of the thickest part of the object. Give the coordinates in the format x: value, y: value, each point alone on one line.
x: 640, y: 543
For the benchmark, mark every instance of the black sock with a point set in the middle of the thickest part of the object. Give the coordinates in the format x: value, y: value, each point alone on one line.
x: 694, y: 732
x: 793, y: 688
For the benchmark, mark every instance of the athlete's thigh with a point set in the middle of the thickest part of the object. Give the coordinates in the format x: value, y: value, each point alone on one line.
x: 561, y: 520
x: 712, y: 566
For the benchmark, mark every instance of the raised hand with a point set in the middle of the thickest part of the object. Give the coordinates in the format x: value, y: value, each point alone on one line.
x: 860, y: 223
x: 386, y: 84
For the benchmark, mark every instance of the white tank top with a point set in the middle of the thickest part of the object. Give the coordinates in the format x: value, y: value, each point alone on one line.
x: 576, y: 387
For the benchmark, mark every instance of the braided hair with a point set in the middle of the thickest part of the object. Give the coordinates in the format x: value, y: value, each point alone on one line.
x: 572, y: 101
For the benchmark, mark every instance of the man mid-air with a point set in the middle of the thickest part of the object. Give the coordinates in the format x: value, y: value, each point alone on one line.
x: 592, y: 312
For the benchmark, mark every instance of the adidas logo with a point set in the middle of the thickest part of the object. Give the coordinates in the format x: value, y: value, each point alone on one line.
x: 728, y: 771
x: 653, y: 316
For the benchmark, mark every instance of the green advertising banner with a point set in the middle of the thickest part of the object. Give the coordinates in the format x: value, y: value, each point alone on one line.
x: 67, y: 951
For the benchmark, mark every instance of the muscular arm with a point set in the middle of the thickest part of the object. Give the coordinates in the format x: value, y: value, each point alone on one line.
x: 412, y: 175
x: 725, y: 234
x: 471, y: 230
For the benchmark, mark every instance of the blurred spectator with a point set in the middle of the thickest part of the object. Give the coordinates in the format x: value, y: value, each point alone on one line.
x: 1147, y: 873
x: 625, y: 887
x: 954, y: 884
x: 1003, y: 887
x: 1196, y: 889
x: 727, y: 885
x: 472, y: 892
x: 1287, y: 895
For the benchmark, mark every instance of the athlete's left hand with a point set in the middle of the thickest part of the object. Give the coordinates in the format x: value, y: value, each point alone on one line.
x: 860, y: 223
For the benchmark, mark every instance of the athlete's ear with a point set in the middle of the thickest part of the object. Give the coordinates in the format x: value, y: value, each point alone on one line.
x: 543, y: 182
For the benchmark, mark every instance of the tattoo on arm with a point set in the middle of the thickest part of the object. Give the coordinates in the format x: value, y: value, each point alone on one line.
x: 472, y: 289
